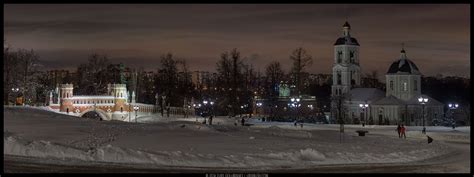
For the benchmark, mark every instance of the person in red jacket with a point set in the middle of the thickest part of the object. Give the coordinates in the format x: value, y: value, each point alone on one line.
x: 402, y: 131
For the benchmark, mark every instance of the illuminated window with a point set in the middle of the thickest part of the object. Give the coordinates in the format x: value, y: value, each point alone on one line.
x: 405, y: 86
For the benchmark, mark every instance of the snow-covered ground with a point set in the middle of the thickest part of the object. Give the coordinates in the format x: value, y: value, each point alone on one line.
x: 186, y: 142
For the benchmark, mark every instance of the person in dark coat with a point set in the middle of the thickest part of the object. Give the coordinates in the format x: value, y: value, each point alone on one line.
x: 242, y: 121
x: 399, y: 129
x: 210, y: 120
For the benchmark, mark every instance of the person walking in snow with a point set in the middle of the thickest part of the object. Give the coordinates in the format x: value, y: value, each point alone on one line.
x: 242, y: 121
x: 399, y: 129
x: 403, y: 130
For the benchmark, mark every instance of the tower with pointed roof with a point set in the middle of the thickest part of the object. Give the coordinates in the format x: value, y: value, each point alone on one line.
x: 346, y: 69
x: 403, y: 78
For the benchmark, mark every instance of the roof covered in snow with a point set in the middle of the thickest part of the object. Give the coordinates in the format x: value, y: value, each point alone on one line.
x: 403, y: 66
x: 390, y: 100
x: 365, y: 94
x: 346, y: 41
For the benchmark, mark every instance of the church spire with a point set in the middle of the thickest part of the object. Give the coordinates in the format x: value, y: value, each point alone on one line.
x: 346, y: 29
x: 403, y: 54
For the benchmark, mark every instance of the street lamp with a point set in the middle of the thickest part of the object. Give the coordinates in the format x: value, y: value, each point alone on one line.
x: 206, y: 108
x: 16, y: 91
x: 295, y: 103
x: 364, y: 108
x: 196, y: 106
x: 423, y: 101
x: 451, y: 108
x: 95, y: 108
x: 135, y: 108
x: 212, y: 107
x: 258, y: 107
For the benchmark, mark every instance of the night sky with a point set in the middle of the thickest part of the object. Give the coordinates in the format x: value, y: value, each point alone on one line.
x: 436, y: 37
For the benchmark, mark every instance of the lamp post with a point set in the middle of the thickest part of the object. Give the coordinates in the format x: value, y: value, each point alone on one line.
x: 135, y: 108
x: 423, y: 101
x: 259, y: 105
x: 451, y: 108
x: 295, y: 102
x: 212, y: 107
x: 196, y: 106
x: 16, y: 95
x: 364, y: 108
x: 206, y: 108
x: 95, y: 109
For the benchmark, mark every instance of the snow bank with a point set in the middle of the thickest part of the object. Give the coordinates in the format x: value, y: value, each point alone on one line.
x: 296, y: 158
x: 44, y: 149
x: 302, y: 155
x: 185, y: 142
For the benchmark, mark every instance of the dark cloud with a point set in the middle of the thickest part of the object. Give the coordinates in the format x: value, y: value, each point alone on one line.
x: 436, y: 36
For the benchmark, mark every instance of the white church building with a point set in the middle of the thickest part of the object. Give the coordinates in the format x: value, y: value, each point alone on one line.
x: 399, y: 104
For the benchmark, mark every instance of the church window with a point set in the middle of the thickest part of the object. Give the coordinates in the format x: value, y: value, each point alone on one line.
x: 352, y: 56
x: 391, y: 85
x: 339, y: 56
x: 405, y: 86
x: 415, y: 85
x: 339, y: 78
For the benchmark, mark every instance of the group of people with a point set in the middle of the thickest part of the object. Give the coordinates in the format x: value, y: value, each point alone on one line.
x: 401, y: 131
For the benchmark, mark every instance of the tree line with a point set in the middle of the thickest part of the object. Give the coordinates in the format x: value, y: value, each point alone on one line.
x: 235, y: 84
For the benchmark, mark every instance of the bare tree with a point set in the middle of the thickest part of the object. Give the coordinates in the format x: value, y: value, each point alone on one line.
x: 229, y: 69
x: 274, y: 74
x: 301, y: 59
x: 166, y: 83
x: 94, y: 75
x: 7, y: 70
x: 28, y: 62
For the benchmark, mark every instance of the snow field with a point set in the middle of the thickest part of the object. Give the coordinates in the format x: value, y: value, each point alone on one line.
x: 184, y: 142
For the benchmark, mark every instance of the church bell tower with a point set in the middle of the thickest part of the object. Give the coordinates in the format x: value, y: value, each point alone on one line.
x: 346, y: 69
